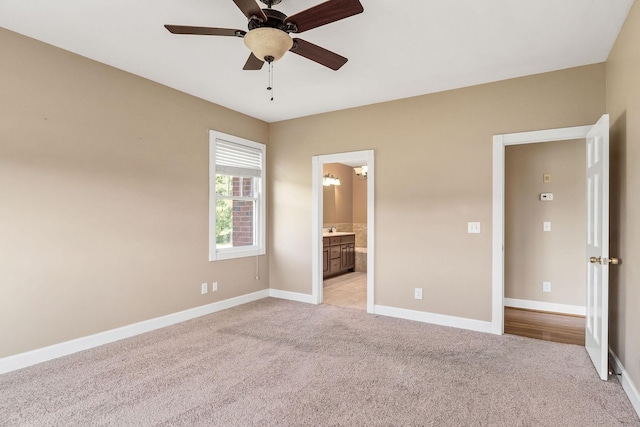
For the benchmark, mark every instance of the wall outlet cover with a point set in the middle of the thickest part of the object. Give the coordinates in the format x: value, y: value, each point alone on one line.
x: 546, y: 286
x: 203, y: 288
x: 418, y: 293
x: 473, y: 227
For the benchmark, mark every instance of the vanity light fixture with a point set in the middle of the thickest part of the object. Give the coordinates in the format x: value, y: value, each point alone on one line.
x: 361, y: 172
x: 329, y: 179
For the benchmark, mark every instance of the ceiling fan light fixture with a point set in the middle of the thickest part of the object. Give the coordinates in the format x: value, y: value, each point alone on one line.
x: 267, y: 42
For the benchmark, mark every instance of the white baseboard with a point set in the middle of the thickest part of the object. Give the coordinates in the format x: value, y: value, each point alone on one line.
x: 292, y: 296
x: 627, y: 384
x: 436, y: 319
x: 578, y: 310
x: 22, y: 360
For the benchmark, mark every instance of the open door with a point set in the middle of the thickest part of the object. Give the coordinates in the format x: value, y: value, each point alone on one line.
x: 597, y: 254
x: 597, y: 315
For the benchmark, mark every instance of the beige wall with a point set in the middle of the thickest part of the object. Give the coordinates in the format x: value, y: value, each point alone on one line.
x: 623, y: 105
x: 359, y: 199
x: 433, y: 164
x: 338, y: 199
x: 104, y: 183
x: 531, y: 254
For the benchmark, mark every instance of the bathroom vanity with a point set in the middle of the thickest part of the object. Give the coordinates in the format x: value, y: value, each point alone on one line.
x: 339, y: 253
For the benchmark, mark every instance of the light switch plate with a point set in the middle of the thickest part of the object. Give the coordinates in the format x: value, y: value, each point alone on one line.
x: 546, y: 226
x: 203, y: 288
x: 473, y: 227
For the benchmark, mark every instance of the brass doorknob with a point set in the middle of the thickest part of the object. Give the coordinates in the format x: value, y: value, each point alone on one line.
x: 604, y: 261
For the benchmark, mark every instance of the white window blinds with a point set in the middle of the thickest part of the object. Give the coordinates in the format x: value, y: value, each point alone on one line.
x: 237, y: 160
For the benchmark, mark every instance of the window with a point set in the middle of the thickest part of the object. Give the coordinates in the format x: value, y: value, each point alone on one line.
x: 236, y: 197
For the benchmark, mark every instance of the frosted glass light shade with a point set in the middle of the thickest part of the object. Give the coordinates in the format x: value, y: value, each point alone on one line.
x: 361, y: 171
x: 268, y: 42
x: 329, y: 179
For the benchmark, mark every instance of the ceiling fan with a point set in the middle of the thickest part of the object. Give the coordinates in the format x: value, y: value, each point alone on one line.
x: 268, y: 36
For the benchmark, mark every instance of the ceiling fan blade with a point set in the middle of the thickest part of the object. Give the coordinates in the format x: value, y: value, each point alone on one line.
x: 324, y: 13
x: 318, y: 54
x: 253, y: 63
x: 205, y: 31
x: 251, y: 9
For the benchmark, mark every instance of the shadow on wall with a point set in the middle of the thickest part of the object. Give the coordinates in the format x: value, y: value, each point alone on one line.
x: 617, y: 186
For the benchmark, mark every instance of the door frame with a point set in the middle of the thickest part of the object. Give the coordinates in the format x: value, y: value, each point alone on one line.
x: 360, y: 158
x: 499, y: 144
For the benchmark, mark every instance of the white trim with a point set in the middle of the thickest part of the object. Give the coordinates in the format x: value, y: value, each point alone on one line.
x: 625, y: 380
x: 371, y: 241
x: 317, y: 162
x: 497, y: 263
x: 546, y: 135
x: 497, y: 259
x: 433, y: 318
x: 317, y: 207
x: 292, y: 296
x: 577, y: 310
x: 23, y: 360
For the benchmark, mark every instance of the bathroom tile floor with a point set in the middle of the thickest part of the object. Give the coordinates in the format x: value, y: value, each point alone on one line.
x: 347, y: 290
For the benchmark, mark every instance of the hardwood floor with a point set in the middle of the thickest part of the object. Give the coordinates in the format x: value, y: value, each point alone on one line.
x: 346, y: 290
x: 543, y: 325
x: 350, y: 290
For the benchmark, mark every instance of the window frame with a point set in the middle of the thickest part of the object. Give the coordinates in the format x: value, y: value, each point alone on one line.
x: 258, y: 248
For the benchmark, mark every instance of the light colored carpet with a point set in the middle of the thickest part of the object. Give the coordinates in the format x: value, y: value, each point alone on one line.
x: 282, y: 363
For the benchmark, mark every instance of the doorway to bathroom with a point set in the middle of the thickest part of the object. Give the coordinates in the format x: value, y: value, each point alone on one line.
x: 344, y: 235
x: 343, y: 229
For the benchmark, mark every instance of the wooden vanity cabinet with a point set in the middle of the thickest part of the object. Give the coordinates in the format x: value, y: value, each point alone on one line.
x: 339, y: 254
x: 325, y: 256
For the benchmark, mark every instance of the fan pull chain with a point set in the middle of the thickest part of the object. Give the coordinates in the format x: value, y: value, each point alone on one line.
x: 270, y: 86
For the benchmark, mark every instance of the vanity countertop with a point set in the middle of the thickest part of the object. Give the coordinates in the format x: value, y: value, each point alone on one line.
x: 338, y: 233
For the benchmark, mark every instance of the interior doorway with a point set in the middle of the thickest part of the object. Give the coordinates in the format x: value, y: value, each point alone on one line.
x: 344, y: 249
x: 597, y: 230
x: 500, y: 142
x: 544, y: 249
x: 347, y: 160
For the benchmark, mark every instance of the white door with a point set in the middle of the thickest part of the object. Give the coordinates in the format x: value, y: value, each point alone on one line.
x: 597, y: 318
x: 598, y: 260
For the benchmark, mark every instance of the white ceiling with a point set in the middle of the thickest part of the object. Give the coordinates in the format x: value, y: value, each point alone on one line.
x: 396, y: 49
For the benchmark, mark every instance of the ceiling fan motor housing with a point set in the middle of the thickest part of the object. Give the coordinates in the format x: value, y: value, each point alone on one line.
x: 270, y: 3
x: 275, y: 19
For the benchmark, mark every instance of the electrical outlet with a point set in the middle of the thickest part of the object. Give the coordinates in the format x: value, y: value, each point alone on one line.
x: 546, y: 226
x: 546, y: 286
x: 203, y: 288
x: 214, y: 286
x: 418, y: 293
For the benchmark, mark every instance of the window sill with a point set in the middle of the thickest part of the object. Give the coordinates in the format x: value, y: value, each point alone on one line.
x: 236, y: 253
